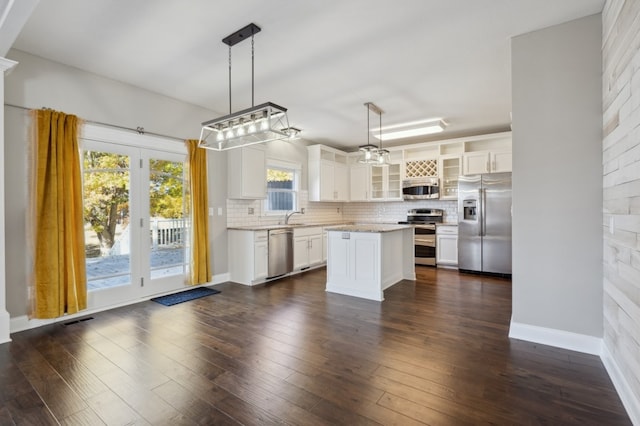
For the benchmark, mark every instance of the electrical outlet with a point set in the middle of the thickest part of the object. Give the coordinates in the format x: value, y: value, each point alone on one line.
x: 250, y: 210
x: 338, y: 209
x: 302, y: 210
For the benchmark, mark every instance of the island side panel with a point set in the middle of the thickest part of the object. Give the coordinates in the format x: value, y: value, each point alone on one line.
x: 408, y: 255
x: 392, y: 258
x: 354, y: 264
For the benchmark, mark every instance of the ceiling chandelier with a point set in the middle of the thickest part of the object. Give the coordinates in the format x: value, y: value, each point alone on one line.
x: 369, y: 153
x: 259, y: 124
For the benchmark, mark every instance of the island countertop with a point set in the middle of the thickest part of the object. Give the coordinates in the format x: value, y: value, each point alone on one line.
x: 368, y: 227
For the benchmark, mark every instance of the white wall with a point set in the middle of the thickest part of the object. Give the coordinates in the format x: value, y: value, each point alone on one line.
x: 36, y: 83
x: 557, y: 179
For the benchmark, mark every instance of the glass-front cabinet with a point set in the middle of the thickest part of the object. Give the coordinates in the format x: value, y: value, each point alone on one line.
x: 394, y: 191
x: 386, y: 183
x: 450, y: 169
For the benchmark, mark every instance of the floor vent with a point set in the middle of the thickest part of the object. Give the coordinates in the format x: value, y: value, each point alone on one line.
x: 77, y: 321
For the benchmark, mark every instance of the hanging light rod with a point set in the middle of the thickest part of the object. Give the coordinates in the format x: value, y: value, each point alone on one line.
x: 371, y: 154
x: 259, y: 124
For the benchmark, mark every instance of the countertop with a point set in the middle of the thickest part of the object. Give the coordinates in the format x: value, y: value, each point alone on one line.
x: 369, y: 227
x: 289, y: 226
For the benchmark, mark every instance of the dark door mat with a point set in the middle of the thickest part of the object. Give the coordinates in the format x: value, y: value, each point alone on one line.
x: 185, y: 296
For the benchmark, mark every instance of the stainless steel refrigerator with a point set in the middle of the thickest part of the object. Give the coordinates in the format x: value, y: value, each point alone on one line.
x: 484, y: 223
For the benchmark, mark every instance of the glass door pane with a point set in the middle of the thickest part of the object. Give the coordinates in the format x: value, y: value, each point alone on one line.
x: 168, y: 222
x: 106, y: 190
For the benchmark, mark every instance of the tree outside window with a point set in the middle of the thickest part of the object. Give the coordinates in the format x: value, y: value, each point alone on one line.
x: 282, y: 190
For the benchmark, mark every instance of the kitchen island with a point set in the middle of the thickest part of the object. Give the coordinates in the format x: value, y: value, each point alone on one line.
x: 364, y: 260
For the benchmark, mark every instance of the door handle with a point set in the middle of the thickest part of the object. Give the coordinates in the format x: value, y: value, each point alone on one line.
x: 484, y: 212
x: 479, y: 212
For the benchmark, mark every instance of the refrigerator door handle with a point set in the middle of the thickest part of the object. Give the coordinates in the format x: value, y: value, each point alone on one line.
x: 480, y: 213
x: 483, y: 218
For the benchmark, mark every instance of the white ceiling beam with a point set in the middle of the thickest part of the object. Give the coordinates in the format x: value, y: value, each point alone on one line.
x: 13, y: 16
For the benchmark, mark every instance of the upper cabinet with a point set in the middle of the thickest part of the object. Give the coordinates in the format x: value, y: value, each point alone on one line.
x: 487, y: 162
x: 360, y: 182
x: 337, y: 176
x: 369, y: 182
x: 246, y: 173
x: 386, y: 183
x: 328, y: 174
x: 450, y: 167
x: 492, y: 155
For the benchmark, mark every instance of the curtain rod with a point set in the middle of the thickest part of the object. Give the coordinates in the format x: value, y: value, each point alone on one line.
x: 139, y: 130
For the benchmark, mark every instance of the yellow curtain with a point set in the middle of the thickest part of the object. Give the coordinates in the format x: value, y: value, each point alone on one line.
x: 60, y: 281
x: 198, y: 207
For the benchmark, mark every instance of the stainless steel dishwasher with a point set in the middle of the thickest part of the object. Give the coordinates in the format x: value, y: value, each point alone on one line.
x: 280, y: 252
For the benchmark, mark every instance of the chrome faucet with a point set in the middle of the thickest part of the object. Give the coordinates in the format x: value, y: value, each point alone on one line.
x: 288, y: 215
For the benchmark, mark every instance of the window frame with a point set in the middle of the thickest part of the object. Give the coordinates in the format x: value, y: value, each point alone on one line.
x: 296, y: 168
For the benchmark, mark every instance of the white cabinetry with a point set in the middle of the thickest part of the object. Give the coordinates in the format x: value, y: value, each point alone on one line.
x: 360, y: 182
x: 260, y: 255
x: 487, y: 162
x: 328, y: 174
x: 386, y: 183
x: 448, y: 159
x: 447, y: 245
x: 307, y: 247
x: 450, y: 170
x: 477, y: 162
x: 500, y: 161
x: 247, y: 173
x: 324, y: 245
x: 248, y: 256
x: 376, y: 183
x: 364, y: 264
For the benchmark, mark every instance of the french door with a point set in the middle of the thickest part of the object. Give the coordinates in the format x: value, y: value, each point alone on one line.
x: 136, y: 226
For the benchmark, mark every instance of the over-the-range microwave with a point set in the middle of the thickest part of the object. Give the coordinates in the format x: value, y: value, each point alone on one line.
x: 420, y: 188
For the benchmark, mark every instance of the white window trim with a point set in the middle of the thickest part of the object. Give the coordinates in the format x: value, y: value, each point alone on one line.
x: 273, y: 163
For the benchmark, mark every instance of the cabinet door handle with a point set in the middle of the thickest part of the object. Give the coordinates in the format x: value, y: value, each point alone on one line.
x: 493, y: 167
x: 488, y: 166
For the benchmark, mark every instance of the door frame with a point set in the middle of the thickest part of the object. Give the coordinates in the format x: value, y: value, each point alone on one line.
x: 140, y: 147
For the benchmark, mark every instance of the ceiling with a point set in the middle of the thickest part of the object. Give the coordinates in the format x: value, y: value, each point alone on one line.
x: 322, y: 60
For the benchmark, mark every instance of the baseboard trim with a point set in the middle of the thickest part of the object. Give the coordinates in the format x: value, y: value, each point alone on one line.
x: 22, y: 322
x: 629, y: 400
x: 558, y: 338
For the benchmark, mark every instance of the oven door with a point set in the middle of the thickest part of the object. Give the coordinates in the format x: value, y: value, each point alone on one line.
x: 424, y: 240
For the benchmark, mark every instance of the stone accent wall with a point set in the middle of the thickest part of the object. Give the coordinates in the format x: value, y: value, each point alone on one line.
x: 621, y: 186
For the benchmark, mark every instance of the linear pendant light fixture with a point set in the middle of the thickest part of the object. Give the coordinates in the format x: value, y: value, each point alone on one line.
x: 259, y: 124
x: 371, y: 154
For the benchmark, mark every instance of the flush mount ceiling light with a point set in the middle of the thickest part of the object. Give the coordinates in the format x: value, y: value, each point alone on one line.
x: 371, y: 154
x: 259, y: 124
x: 415, y: 128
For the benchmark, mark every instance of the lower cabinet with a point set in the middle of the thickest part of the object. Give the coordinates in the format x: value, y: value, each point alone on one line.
x: 324, y: 245
x: 260, y: 255
x: 447, y: 246
x: 248, y: 256
x: 307, y: 247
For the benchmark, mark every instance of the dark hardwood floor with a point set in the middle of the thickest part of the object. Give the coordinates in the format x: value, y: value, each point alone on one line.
x: 435, y: 351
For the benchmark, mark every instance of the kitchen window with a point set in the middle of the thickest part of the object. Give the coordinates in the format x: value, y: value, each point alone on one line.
x: 282, y: 187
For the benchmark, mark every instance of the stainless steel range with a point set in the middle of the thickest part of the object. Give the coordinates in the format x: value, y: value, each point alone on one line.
x: 424, y: 236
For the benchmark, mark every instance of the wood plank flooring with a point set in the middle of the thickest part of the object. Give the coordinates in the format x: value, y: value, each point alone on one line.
x: 434, y: 352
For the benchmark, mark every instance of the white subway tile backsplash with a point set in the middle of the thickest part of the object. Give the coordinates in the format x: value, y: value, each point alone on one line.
x: 396, y: 211
x: 237, y: 212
